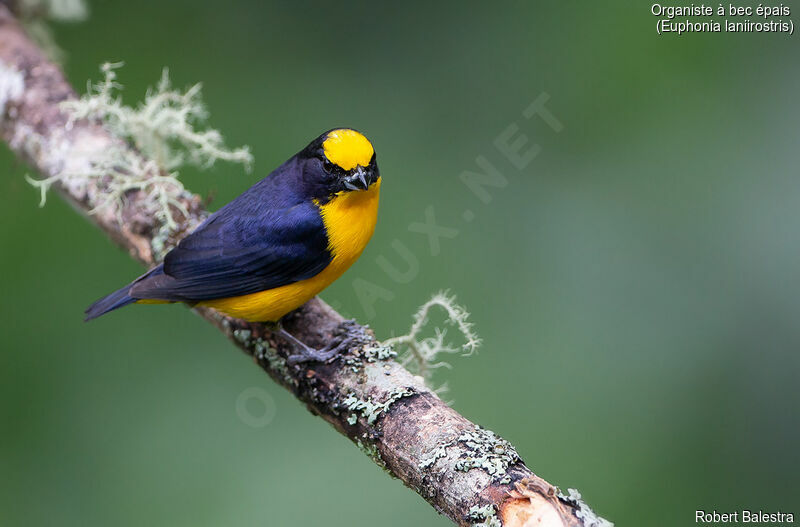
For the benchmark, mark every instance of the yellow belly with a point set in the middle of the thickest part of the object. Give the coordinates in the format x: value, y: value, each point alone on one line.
x: 350, y: 221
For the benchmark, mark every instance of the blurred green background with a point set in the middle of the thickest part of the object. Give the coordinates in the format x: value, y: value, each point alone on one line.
x: 636, y: 285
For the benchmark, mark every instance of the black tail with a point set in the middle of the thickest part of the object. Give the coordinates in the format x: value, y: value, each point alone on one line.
x: 108, y: 303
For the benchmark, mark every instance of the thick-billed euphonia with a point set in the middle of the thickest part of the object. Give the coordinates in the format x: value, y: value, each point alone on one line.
x: 278, y: 244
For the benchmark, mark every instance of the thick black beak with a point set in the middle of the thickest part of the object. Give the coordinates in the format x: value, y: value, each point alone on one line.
x: 357, y: 179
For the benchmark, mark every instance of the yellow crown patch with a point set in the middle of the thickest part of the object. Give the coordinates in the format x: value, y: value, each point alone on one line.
x: 347, y: 148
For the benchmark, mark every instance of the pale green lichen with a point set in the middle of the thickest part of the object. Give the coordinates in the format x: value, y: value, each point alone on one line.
x: 433, y: 456
x: 378, y: 352
x: 421, y: 354
x: 163, y: 127
x: 160, y: 242
x: 372, y: 353
x: 485, y: 516
x: 371, y: 410
x: 12, y: 85
x: 583, y: 512
x: 489, y: 452
x: 242, y: 335
x: 485, y: 451
x: 264, y: 353
x: 56, y: 10
x: 164, y: 134
x: 35, y: 16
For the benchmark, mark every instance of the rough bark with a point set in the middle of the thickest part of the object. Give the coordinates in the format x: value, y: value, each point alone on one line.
x: 465, y: 472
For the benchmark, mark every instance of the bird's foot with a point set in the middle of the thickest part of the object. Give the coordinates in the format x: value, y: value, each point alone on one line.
x: 305, y: 353
x: 309, y: 354
x: 325, y: 355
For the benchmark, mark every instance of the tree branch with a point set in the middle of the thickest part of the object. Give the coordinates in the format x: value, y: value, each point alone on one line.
x: 465, y: 472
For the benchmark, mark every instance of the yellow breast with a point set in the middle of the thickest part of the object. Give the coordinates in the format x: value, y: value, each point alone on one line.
x: 349, y: 219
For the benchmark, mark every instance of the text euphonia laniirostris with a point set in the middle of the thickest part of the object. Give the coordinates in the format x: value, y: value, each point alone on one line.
x: 278, y: 244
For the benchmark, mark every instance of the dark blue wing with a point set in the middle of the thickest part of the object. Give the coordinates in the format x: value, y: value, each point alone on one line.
x: 243, y: 248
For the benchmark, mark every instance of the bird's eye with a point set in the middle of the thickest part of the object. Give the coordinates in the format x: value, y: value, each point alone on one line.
x: 327, y: 166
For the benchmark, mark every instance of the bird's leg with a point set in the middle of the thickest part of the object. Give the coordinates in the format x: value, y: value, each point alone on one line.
x: 304, y: 352
x: 349, y: 333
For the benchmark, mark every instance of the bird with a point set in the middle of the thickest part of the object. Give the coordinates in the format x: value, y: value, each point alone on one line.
x: 277, y: 245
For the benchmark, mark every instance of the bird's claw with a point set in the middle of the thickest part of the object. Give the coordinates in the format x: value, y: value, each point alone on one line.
x: 312, y: 355
x: 324, y: 355
x: 350, y: 334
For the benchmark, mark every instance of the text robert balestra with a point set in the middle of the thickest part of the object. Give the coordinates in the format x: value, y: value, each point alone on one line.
x: 743, y: 516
